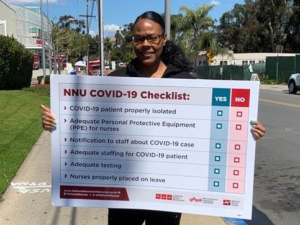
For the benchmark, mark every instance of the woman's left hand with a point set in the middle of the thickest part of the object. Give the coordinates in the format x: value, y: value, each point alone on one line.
x: 258, y: 130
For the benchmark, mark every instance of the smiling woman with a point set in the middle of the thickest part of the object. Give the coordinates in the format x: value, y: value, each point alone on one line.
x: 155, y: 55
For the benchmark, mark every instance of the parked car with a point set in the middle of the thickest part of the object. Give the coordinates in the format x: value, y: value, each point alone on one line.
x: 294, y: 83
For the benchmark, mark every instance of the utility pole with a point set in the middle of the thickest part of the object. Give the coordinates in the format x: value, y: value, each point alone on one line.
x: 101, y: 42
x: 43, y: 40
x: 49, y: 39
x: 87, y: 16
x: 168, y: 18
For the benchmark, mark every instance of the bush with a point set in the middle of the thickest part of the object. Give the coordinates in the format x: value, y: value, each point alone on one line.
x: 47, y: 79
x: 16, y: 66
x: 39, y: 79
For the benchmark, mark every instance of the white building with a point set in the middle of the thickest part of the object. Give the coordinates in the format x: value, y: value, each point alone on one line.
x: 8, y: 20
x: 238, y: 58
x: 25, y: 24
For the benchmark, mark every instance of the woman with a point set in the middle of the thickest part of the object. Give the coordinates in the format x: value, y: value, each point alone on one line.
x: 156, y: 57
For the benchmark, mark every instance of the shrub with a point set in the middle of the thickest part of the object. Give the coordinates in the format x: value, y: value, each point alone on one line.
x: 39, y: 79
x: 47, y: 79
x: 16, y: 66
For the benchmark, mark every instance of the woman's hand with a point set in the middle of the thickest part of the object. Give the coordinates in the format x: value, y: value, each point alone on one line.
x: 258, y: 130
x: 48, y: 119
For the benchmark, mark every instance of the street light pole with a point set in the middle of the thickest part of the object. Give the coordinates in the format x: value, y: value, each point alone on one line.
x: 101, y: 41
x: 43, y: 40
x: 168, y: 18
x: 87, y: 37
x: 49, y: 40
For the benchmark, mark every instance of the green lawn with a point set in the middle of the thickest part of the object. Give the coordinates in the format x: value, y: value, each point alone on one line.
x: 20, y: 127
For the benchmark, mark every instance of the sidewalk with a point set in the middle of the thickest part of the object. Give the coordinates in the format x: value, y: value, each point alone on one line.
x: 275, y: 87
x: 28, y: 198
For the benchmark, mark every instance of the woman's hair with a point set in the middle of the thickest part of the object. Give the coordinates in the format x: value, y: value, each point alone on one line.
x: 171, y: 54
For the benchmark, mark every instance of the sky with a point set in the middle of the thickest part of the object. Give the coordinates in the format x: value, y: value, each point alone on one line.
x: 117, y: 13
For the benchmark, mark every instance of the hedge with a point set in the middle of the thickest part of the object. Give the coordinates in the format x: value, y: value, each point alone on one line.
x: 15, y: 64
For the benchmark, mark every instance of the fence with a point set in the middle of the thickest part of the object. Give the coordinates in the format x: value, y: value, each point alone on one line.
x: 277, y: 68
x: 281, y: 68
x: 228, y: 72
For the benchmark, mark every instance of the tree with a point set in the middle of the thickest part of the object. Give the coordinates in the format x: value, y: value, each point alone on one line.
x: 238, y: 29
x: 190, y: 27
x: 256, y: 26
x: 68, y: 21
x: 122, y: 51
x: 292, y: 29
x: 68, y: 38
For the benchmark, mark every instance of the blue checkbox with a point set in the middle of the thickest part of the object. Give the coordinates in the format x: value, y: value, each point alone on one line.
x: 217, y: 171
x: 219, y: 113
x: 219, y: 126
x: 216, y: 184
x: 218, y: 145
x: 217, y: 158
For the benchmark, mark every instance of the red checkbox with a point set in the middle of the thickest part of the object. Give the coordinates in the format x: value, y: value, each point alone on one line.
x: 235, y: 185
x: 237, y: 147
x: 236, y: 159
x: 239, y: 114
x: 238, y: 127
x: 236, y: 172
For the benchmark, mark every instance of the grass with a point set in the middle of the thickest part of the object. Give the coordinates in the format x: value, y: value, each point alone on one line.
x: 20, y: 123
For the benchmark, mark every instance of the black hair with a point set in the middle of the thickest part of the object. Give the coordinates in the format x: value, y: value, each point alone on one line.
x: 171, y: 54
x: 154, y: 16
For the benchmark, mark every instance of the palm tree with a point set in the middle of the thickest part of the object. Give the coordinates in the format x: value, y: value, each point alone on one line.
x: 192, y: 25
x: 196, y: 32
x: 195, y: 22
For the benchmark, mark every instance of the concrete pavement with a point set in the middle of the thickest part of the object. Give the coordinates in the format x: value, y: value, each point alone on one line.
x: 275, y: 87
x: 28, y: 198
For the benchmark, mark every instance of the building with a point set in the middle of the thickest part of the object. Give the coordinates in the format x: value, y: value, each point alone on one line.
x: 237, y: 59
x: 8, y: 20
x: 25, y: 24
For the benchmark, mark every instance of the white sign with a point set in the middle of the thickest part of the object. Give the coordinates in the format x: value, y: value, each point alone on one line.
x: 254, y: 77
x: 164, y: 144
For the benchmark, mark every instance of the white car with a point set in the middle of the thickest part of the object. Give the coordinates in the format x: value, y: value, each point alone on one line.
x: 294, y: 83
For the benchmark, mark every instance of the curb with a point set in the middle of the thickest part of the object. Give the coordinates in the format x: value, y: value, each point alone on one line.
x: 232, y: 221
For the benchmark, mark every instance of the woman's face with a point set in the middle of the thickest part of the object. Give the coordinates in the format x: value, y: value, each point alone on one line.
x: 148, y: 41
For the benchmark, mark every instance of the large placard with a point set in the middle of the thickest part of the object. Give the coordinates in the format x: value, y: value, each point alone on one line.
x: 165, y: 144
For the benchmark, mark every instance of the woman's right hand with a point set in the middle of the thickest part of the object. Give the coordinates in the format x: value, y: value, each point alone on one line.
x: 48, y: 119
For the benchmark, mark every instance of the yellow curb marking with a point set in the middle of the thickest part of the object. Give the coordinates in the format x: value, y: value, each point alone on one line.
x: 279, y: 103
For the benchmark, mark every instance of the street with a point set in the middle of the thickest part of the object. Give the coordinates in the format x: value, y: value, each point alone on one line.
x: 277, y: 179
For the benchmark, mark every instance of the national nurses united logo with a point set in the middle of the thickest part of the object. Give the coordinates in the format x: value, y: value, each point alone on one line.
x: 226, y: 202
x: 194, y: 199
x: 164, y: 196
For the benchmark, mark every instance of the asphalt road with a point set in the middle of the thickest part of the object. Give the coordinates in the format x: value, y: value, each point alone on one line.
x: 277, y: 172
